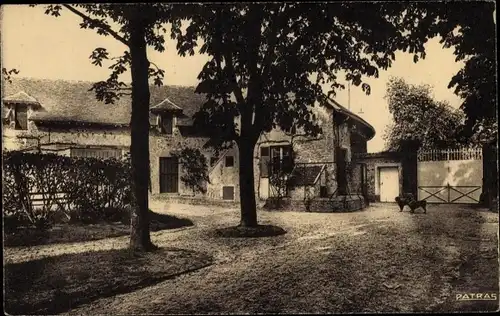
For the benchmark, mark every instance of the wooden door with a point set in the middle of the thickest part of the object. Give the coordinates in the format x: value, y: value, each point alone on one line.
x: 389, y: 184
x: 169, y: 175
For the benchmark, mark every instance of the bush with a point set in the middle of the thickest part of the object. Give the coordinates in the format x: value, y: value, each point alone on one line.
x: 92, y: 187
x: 194, y: 169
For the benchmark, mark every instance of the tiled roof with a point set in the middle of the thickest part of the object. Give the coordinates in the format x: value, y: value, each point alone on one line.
x: 367, y: 126
x: 382, y: 154
x: 21, y: 97
x: 73, y: 101
x: 165, y: 105
x: 305, y: 175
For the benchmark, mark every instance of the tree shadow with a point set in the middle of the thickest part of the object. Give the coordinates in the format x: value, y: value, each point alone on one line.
x: 58, y: 284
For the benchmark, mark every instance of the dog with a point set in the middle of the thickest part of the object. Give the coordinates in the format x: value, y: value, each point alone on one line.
x: 412, y: 203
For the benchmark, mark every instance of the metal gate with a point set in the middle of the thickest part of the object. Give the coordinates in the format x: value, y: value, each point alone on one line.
x: 450, y: 176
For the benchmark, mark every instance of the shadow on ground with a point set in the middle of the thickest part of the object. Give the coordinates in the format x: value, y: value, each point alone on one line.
x: 57, y: 284
x: 78, y: 232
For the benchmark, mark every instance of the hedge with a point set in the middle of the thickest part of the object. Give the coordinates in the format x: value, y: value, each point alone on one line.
x: 83, y: 189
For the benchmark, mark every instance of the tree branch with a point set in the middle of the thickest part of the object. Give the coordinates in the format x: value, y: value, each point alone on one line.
x: 152, y: 63
x: 97, y: 23
x: 268, y: 58
x: 236, y: 88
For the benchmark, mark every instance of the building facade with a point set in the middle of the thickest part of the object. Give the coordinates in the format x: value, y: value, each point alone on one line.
x: 65, y: 118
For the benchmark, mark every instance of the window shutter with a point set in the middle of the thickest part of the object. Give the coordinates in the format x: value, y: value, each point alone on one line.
x: 168, y: 124
x: 287, y: 163
x: 264, y: 162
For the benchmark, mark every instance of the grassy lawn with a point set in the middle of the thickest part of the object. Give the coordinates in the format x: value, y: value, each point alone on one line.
x: 77, y: 232
x: 57, y: 284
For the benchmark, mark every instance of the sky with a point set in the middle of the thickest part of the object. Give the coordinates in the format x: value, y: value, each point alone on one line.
x: 43, y: 46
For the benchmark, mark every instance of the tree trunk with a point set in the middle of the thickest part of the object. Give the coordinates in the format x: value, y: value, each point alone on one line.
x: 140, y: 239
x: 247, y: 186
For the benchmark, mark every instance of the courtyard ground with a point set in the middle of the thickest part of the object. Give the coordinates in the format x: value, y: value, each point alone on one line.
x: 375, y: 260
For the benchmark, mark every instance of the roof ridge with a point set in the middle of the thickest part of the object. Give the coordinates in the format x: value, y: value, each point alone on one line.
x: 18, y: 78
x: 169, y: 101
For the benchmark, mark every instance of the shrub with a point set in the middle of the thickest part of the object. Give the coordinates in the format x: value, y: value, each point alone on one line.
x: 91, y: 187
x: 195, y: 169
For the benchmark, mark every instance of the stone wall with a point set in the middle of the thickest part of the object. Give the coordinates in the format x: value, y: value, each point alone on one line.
x: 318, y: 205
x: 319, y: 150
x: 161, y: 145
x: 307, y: 149
x: 221, y: 176
x: 354, y: 178
x: 117, y: 137
x: 193, y: 200
x: 344, y: 141
x: 373, y: 162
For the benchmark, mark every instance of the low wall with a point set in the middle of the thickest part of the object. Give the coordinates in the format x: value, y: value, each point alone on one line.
x: 318, y: 205
x: 193, y: 200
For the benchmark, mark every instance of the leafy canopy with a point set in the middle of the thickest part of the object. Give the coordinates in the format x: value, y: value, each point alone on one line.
x: 115, y: 20
x: 263, y: 56
x: 7, y: 74
x: 469, y: 27
x: 195, y: 168
x: 418, y: 117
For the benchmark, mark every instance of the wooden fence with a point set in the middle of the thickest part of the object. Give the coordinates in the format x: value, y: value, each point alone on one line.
x: 451, y: 154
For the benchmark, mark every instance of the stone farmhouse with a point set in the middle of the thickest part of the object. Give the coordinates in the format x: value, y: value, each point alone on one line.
x: 65, y: 118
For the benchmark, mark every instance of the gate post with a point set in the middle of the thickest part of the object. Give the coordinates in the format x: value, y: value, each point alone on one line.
x: 490, y: 175
x: 409, y: 151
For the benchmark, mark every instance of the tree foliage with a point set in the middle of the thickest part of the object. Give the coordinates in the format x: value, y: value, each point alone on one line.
x: 418, y: 117
x: 195, y: 169
x: 469, y: 28
x: 7, y: 74
x: 263, y: 56
x: 136, y: 26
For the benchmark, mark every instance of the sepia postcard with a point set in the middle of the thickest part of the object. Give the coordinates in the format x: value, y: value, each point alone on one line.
x: 250, y: 158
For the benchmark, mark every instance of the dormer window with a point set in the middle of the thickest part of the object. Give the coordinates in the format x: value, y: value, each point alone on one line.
x: 167, y: 112
x: 167, y: 124
x: 18, y: 106
x: 21, y: 117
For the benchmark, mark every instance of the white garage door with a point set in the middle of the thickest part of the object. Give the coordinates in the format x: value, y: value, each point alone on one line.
x: 389, y: 183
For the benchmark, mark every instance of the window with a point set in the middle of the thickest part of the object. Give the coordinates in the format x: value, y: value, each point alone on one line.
x: 167, y: 124
x: 228, y: 193
x: 21, y: 116
x: 274, y: 159
x: 323, y: 192
x: 229, y: 161
x: 103, y: 153
x: 264, y: 162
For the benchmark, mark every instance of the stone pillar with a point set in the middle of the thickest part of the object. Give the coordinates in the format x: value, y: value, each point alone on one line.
x: 409, y: 151
x: 490, y: 176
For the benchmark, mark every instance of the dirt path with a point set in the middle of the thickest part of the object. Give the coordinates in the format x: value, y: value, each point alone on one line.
x: 377, y: 260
